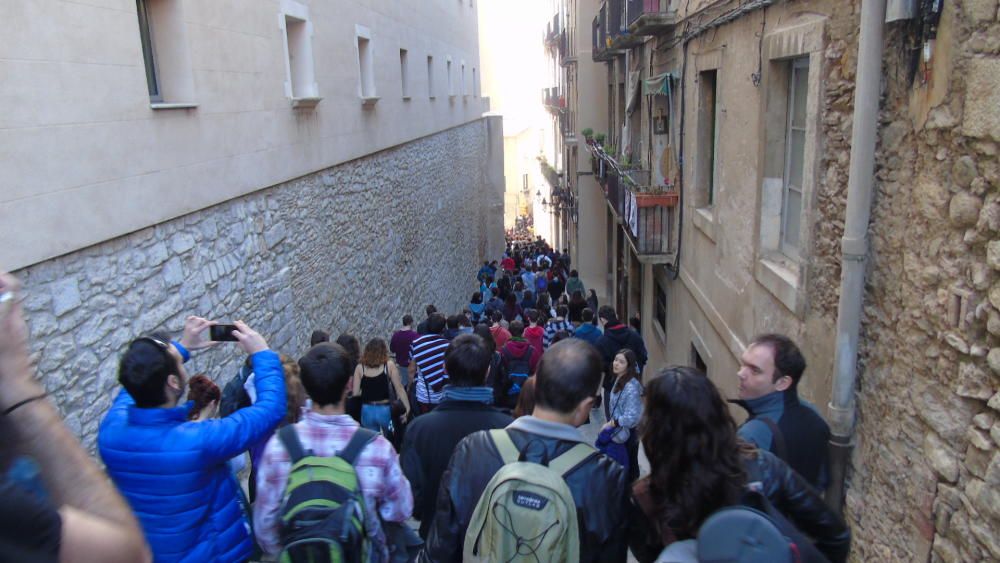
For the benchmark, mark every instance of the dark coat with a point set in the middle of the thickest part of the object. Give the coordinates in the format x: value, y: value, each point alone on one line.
x: 617, y: 337
x: 429, y: 443
x: 596, y: 486
x: 787, y: 491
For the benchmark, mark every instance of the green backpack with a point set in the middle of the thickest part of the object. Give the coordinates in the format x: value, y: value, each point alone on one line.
x: 323, y: 512
x: 526, y: 512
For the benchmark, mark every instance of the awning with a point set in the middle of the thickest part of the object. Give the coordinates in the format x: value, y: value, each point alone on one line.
x: 657, y: 85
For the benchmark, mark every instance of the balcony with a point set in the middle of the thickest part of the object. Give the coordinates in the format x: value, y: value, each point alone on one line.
x: 550, y: 174
x: 650, y: 17
x: 619, y: 37
x: 552, y: 32
x: 606, y: 29
x: 647, y: 214
x: 553, y: 100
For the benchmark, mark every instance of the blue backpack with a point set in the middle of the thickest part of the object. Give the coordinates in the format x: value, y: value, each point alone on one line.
x: 518, y: 370
x: 541, y: 283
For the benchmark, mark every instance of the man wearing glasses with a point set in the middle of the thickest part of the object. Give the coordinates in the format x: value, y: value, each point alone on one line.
x: 174, y: 472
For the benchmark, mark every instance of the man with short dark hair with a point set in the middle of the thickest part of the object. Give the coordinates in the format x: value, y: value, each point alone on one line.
x: 422, y: 326
x: 568, y: 378
x: 174, y: 472
x: 427, y: 368
x: 466, y: 408
x: 616, y: 337
x: 781, y: 422
x: 400, y: 344
x: 452, y: 323
x: 587, y: 330
x: 325, y: 430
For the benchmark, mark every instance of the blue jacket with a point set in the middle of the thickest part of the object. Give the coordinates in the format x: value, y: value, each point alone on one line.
x: 803, y: 429
x: 175, y: 474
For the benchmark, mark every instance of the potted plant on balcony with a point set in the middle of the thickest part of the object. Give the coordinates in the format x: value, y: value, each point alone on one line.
x: 588, y: 134
x: 663, y: 196
x: 599, y: 138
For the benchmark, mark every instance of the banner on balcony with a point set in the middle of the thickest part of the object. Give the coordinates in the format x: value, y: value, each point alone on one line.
x: 658, y: 85
x: 632, y: 95
x: 632, y: 213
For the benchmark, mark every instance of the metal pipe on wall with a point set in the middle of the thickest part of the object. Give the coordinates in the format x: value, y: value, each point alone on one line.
x: 854, y: 244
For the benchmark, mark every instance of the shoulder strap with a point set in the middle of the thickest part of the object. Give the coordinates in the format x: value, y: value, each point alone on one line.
x: 361, y: 438
x: 508, y: 451
x: 290, y: 439
x: 568, y: 461
x: 778, y: 446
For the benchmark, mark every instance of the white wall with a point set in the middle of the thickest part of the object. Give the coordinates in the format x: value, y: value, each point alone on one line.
x: 84, y: 158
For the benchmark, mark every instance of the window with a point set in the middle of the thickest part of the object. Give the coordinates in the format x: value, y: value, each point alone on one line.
x: 708, y: 135
x: 462, y: 77
x: 451, y: 85
x: 165, y: 53
x: 795, y: 147
x: 430, y: 77
x: 475, y: 84
x: 300, y: 76
x: 404, y: 74
x: 366, y: 65
x: 660, y: 306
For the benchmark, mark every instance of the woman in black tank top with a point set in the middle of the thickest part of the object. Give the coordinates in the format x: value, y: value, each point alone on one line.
x: 376, y: 381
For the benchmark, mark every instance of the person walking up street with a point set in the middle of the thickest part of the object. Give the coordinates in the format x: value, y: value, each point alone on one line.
x: 569, y: 376
x: 555, y: 324
x: 326, y: 431
x: 500, y: 334
x: 587, y: 330
x: 400, y: 344
x: 574, y: 284
x: 427, y: 368
x: 466, y: 408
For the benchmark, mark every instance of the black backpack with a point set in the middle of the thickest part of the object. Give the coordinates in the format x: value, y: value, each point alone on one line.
x: 518, y: 371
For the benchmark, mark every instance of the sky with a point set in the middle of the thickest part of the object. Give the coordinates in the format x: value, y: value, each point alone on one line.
x: 512, y: 58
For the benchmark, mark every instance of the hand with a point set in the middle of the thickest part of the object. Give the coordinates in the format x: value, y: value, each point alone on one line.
x: 13, y: 329
x: 608, y: 424
x: 249, y: 339
x: 193, y: 329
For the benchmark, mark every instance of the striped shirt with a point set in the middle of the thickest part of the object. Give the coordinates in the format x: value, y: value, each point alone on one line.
x: 428, y: 353
x: 555, y: 326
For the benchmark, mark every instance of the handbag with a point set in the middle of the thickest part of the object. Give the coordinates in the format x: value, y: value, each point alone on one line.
x: 396, y: 406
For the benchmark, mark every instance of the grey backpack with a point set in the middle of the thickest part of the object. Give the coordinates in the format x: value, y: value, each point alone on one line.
x: 526, y: 512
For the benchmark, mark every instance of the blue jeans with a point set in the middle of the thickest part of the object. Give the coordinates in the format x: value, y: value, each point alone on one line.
x: 377, y: 418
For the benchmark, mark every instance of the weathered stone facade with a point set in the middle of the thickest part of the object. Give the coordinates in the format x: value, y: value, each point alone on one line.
x: 925, y: 483
x: 348, y: 249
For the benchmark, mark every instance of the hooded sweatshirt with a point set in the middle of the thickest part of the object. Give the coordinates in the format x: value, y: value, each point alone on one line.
x: 588, y: 332
x: 518, y: 347
x: 620, y: 336
x: 536, y: 336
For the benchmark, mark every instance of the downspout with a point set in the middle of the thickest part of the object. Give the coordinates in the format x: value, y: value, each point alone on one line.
x: 854, y: 245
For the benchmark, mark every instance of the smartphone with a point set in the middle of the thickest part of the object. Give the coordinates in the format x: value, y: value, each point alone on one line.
x: 222, y: 333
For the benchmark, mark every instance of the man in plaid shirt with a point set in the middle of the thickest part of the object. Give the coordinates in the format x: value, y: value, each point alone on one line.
x: 326, y: 429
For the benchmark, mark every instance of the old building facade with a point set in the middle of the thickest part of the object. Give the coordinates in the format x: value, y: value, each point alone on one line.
x: 296, y: 164
x: 732, y: 204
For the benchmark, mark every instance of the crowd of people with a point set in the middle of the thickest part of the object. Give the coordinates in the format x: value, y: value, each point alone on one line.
x: 467, y: 422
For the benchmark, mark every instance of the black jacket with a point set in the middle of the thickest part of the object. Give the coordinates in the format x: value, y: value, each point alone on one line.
x: 596, y: 485
x: 787, y: 491
x: 428, y: 445
x: 618, y: 337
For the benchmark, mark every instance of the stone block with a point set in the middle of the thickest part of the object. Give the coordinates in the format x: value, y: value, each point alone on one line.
x: 982, y: 98
x: 979, y: 439
x: 981, y: 11
x: 989, y: 217
x: 994, y: 296
x: 173, y: 273
x: 964, y: 171
x: 995, y: 433
x: 946, y: 550
x: 977, y: 461
x: 984, y: 420
x: 988, y: 534
x: 946, y: 413
x: 943, y: 459
x: 963, y: 210
x: 995, y: 402
x: 65, y: 296
x: 182, y: 243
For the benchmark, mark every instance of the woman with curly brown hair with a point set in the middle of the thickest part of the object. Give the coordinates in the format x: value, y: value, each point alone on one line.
x: 698, y: 466
x: 375, y: 379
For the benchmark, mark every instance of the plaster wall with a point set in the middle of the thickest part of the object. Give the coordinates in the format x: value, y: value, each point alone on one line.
x: 86, y: 154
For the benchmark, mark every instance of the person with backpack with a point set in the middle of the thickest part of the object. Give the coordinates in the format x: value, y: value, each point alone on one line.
x: 326, y: 487
x: 555, y: 324
x: 520, y: 358
x: 467, y: 407
x: 536, y: 487
x: 700, y: 467
x: 534, y: 331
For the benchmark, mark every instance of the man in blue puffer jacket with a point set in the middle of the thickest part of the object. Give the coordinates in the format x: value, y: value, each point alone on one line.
x: 173, y: 472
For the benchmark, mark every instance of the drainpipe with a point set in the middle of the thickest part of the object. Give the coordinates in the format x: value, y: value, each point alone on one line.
x: 854, y: 245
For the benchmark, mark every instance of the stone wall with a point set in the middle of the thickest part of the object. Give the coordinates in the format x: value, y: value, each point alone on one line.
x: 351, y: 248
x: 925, y: 480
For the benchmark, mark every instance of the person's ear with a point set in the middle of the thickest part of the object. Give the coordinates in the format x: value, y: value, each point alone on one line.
x: 582, y: 415
x: 783, y: 383
x: 174, y: 383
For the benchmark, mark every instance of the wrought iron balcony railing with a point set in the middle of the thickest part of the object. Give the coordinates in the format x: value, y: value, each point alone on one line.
x: 650, y: 17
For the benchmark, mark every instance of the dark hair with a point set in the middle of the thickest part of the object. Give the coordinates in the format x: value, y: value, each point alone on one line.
x: 407, y: 320
x: 202, y: 391
x: 318, y: 336
x: 528, y: 295
x: 562, y: 311
x: 788, y: 359
x: 577, y: 297
x: 435, y: 323
x: 568, y: 373
x: 587, y: 315
x: 376, y: 353
x: 496, y: 316
x: 574, y: 274
x: 453, y: 322
x: 526, y: 399
x: 483, y: 331
x: 352, y: 346
x: 476, y: 298
x: 607, y: 313
x: 467, y: 361
x: 560, y: 335
x: 544, y: 301
x: 516, y: 328
x: 325, y: 370
x: 144, y: 368
x: 635, y: 323
x: 511, y: 299
x: 532, y: 315
x: 631, y: 370
x: 430, y: 310
x: 463, y: 320
x: 694, y: 454
x: 295, y: 393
